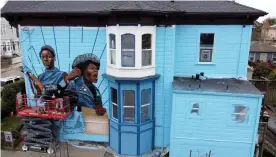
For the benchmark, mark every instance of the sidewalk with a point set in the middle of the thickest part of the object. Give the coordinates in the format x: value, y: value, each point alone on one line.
x: 73, y: 152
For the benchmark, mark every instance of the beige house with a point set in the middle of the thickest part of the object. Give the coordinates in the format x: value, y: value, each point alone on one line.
x: 269, y: 32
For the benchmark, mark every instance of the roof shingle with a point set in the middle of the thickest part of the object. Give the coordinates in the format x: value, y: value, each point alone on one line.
x: 259, y: 46
x: 87, y: 7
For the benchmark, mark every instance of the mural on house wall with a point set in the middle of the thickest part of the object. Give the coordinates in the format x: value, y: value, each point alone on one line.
x: 72, y: 59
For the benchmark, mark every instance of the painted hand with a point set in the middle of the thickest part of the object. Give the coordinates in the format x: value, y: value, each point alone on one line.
x: 100, y: 111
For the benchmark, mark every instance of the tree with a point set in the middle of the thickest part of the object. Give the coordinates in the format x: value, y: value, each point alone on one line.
x: 261, y: 69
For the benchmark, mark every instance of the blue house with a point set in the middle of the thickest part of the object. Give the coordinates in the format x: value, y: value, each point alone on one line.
x: 172, y: 75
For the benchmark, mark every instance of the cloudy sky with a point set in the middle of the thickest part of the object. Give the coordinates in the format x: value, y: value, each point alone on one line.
x: 265, y: 5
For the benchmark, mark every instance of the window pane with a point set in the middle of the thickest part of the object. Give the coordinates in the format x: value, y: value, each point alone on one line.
x: 146, y: 57
x: 114, y: 95
x: 205, y: 55
x: 146, y: 102
x: 112, y: 41
x: 129, y: 98
x: 128, y: 50
x: 145, y: 113
x: 129, y: 106
x: 146, y: 95
x: 146, y: 41
x: 240, y: 113
x: 195, y: 109
x: 129, y: 115
x: 206, y: 40
x: 112, y: 56
x: 115, y: 111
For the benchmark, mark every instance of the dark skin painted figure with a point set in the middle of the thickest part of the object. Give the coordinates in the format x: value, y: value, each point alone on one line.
x: 89, y: 97
x: 52, y: 75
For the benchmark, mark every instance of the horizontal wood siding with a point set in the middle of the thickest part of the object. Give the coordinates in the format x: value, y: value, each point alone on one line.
x: 213, y: 130
x: 230, y: 54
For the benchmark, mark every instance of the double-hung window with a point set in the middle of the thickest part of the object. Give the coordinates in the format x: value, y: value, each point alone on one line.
x: 145, y: 104
x: 114, y: 103
x: 240, y: 114
x: 206, y: 47
x: 146, y: 50
x: 128, y: 50
x: 112, y: 48
x: 129, y: 106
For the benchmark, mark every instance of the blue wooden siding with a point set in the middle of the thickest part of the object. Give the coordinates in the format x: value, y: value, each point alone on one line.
x: 165, y: 37
x: 230, y: 55
x: 68, y: 43
x: 214, y: 130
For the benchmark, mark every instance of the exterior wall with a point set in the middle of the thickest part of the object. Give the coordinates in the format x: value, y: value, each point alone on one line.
x: 213, y: 130
x: 230, y: 55
x: 165, y: 38
x: 68, y: 43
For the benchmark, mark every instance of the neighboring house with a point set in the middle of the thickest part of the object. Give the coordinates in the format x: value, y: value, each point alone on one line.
x: 262, y: 51
x: 150, y: 54
x: 9, y: 39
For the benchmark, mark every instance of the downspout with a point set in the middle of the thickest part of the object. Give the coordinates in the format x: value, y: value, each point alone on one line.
x: 164, y: 108
x: 239, y: 57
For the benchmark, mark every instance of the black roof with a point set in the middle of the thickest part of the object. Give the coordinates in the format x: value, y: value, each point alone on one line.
x: 14, y: 11
x: 260, y: 46
x: 88, y: 7
x: 227, y: 85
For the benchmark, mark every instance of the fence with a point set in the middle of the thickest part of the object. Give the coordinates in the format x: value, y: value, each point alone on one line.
x: 269, y: 87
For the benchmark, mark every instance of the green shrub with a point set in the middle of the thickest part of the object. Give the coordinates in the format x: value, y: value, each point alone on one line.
x: 272, y: 75
x: 8, y: 97
x: 261, y: 69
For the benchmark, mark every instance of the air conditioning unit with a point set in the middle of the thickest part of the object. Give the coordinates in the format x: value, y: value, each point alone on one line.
x: 206, y: 55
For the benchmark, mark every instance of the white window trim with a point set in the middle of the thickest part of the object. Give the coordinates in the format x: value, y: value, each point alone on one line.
x: 254, y: 56
x: 138, y: 31
x: 241, y: 114
x: 112, y: 110
x: 213, y: 48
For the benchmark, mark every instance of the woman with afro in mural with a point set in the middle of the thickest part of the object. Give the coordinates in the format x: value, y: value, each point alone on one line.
x: 89, y: 97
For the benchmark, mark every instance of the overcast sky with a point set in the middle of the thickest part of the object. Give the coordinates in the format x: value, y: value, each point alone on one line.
x: 265, y: 5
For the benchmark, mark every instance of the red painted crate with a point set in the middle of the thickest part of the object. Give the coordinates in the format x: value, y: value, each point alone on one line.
x: 36, y: 106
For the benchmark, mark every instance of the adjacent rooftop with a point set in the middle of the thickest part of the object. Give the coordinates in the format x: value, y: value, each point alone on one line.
x: 259, y: 46
x: 227, y: 85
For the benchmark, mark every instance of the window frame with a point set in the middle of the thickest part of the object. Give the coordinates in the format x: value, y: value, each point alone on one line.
x: 142, y: 51
x: 114, y: 104
x: 147, y: 104
x: 241, y: 114
x: 206, y: 48
x: 190, y: 107
x: 111, y: 49
x: 273, y: 56
x: 128, y: 51
x: 137, y: 31
x: 125, y: 106
x: 254, y: 56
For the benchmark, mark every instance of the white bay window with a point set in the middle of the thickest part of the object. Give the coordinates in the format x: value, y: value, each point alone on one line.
x: 131, y: 51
